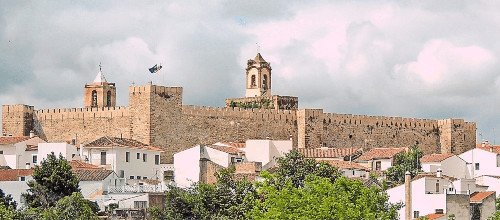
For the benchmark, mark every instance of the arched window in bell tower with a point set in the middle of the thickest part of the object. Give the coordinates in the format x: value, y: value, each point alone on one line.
x: 264, y: 82
x: 94, y: 98
x: 108, y: 99
x: 252, y: 81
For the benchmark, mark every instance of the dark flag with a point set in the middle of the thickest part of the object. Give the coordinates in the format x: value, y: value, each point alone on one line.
x: 155, y: 68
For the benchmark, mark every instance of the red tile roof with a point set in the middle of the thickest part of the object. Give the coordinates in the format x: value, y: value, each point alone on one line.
x: 232, y: 144
x: 108, y: 142
x: 429, y: 158
x: 14, y: 174
x: 80, y: 165
x: 31, y: 147
x: 381, y: 153
x: 328, y: 152
x: 489, y: 148
x: 4, y: 140
x: 433, y: 216
x: 92, y: 175
x: 229, y: 150
x: 345, y: 164
x: 478, y: 197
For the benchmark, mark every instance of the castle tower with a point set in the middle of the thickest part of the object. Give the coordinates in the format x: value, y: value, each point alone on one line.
x: 258, y: 73
x: 99, y: 93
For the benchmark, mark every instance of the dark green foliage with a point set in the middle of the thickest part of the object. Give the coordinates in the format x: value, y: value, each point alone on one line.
x: 407, y: 161
x: 227, y: 199
x: 52, y: 180
x: 7, y: 201
x: 70, y: 207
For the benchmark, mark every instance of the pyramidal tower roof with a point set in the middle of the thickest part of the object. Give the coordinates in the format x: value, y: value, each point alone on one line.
x: 100, y: 76
x: 259, y: 58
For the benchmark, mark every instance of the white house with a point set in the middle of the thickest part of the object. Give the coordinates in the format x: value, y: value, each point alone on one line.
x: 349, y: 169
x: 19, y: 152
x: 190, y: 164
x: 490, y: 183
x: 263, y: 151
x: 129, y: 158
x: 13, y: 182
x: 432, y: 193
x: 379, y: 159
x: 68, y: 151
x: 450, y: 165
x: 484, y: 160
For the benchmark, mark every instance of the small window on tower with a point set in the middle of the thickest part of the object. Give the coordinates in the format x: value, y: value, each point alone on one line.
x: 94, y: 98
x: 108, y: 99
x: 264, y: 82
x: 252, y: 82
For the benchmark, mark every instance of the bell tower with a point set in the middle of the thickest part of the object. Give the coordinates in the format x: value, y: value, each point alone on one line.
x: 99, y: 93
x: 258, y: 75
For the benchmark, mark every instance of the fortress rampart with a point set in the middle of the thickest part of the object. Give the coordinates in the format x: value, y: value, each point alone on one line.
x: 156, y: 116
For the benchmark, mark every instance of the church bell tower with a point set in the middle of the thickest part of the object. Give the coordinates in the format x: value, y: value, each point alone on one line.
x: 258, y: 75
x: 99, y: 93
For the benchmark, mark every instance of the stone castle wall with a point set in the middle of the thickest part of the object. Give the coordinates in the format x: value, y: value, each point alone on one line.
x: 156, y: 116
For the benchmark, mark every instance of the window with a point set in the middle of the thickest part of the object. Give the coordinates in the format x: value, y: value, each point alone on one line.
x: 108, y: 99
x: 1, y: 151
x: 131, y: 177
x: 138, y: 177
x: 353, y: 172
x: 144, y: 177
x: 378, y: 165
x: 127, y: 156
x: 103, y: 158
x: 35, y: 159
x: 144, y: 157
x: 416, y: 214
x: 437, y: 187
x: 122, y: 174
x: 253, y: 81
x: 94, y: 99
x: 138, y: 156
x: 140, y: 204
x: 73, y: 155
x: 22, y: 178
x: 476, y: 166
x: 264, y: 82
x: 157, y: 159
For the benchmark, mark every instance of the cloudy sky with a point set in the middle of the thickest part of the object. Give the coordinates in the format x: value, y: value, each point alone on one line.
x: 425, y: 59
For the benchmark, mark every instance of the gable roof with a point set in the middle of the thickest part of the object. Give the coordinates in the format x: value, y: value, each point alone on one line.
x: 429, y: 158
x: 328, y: 152
x: 345, y: 164
x: 489, y: 148
x: 80, y: 165
x: 259, y: 58
x: 229, y: 150
x: 381, y: 153
x: 14, y: 174
x: 478, y: 197
x: 5, y: 140
x: 109, y: 142
x: 92, y: 174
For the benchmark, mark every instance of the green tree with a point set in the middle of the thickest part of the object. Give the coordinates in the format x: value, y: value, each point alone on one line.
x: 407, y: 161
x: 69, y: 208
x: 7, y: 200
x: 320, y: 198
x: 52, y: 180
x: 6, y: 212
x: 226, y: 199
x: 294, y: 167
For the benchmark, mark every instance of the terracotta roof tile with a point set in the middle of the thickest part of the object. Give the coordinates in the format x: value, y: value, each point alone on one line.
x: 92, y: 174
x: 229, y: 150
x: 31, y: 147
x: 478, y: 197
x: 345, y: 164
x: 429, y: 158
x: 14, y: 174
x: 489, y: 148
x: 381, y: 153
x: 108, y: 142
x: 434, y: 216
x: 233, y: 144
x: 80, y: 165
x: 328, y: 152
x: 4, y: 140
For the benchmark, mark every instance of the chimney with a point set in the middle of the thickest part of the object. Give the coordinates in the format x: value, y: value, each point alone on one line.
x: 28, y: 165
x: 32, y: 134
x: 439, y: 173
x: 408, y: 195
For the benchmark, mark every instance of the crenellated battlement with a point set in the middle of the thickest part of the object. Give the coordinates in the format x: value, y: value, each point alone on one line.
x: 267, y: 114
x: 380, y: 120
x: 81, y: 113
